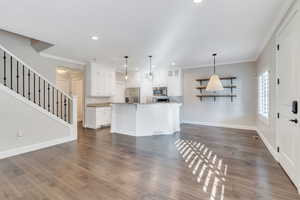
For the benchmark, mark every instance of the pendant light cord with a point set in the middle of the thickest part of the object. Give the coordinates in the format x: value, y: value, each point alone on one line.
x: 214, y: 65
x: 214, y: 55
x: 126, y: 64
x: 150, y: 58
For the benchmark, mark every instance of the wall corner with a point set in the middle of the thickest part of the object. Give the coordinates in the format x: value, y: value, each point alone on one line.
x: 74, y: 131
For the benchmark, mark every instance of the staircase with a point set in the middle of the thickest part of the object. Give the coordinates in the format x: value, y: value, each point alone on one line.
x: 51, y: 105
x: 25, y: 81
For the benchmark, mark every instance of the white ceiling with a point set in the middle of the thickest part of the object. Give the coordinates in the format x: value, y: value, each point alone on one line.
x: 170, y: 30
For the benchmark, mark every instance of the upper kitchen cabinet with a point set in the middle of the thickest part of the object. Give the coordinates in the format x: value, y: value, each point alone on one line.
x: 174, y: 82
x: 99, y: 80
x: 160, y: 78
x: 134, y: 79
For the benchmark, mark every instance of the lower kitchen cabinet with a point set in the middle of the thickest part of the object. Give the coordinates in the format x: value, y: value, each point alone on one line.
x: 97, y: 117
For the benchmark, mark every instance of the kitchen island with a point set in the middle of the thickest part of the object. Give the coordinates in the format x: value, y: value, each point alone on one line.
x: 145, y: 119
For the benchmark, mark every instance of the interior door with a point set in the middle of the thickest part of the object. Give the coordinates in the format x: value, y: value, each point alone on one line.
x: 288, y: 64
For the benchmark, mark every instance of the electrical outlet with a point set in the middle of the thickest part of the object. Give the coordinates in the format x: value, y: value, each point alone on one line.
x: 20, y: 134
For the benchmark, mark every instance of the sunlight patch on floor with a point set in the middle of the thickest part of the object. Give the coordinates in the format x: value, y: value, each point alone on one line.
x: 207, y: 167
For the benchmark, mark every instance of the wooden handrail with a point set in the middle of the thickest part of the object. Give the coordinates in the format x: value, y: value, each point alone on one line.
x: 38, y: 90
x: 33, y: 70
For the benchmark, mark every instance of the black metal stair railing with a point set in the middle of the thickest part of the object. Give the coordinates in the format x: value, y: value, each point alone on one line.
x: 26, y: 82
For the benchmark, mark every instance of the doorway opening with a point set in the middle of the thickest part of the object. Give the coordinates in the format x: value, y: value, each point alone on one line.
x: 71, y: 82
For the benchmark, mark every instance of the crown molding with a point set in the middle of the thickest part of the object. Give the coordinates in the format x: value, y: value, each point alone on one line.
x: 280, y: 16
x: 62, y: 59
x: 219, y: 64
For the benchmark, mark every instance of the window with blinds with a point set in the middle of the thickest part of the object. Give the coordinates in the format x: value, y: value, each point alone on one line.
x: 264, y: 94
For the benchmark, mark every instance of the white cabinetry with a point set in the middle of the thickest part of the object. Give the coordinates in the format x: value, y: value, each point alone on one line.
x: 170, y: 78
x: 98, y: 117
x: 174, y: 82
x: 133, y: 80
x: 160, y: 78
x: 100, y: 81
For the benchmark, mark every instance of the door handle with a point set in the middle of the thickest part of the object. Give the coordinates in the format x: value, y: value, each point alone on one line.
x: 295, y: 107
x: 294, y: 120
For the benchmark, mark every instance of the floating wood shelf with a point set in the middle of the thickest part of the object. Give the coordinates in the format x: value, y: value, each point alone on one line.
x: 204, y: 94
x: 217, y: 95
x: 204, y: 87
x: 221, y: 78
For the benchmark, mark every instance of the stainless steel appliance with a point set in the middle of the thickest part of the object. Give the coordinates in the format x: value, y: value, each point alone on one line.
x: 160, y: 91
x: 132, y: 95
x: 160, y: 95
x: 161, y: 99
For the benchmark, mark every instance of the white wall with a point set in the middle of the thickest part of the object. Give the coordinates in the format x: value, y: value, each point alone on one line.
x: 18, y: 116
x: 240, y: 113
x: 21, y: 47
x: 267, y: 61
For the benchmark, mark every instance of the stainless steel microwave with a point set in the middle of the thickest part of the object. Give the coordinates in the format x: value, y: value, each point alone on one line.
x: 160, y: 91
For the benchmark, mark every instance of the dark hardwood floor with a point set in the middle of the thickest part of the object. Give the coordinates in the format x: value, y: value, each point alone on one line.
x: 198, y: 163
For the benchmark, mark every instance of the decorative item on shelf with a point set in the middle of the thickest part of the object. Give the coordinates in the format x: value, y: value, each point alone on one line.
x: 126, y: 67
x: 214, y: 83
x: 230, y: 86
x: 150, y: 75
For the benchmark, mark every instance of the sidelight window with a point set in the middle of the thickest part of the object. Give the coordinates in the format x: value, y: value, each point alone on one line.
x: 263, y: 87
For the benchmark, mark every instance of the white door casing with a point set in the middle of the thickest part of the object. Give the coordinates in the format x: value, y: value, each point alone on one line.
x: 77, y: 90
x: 288, y: 90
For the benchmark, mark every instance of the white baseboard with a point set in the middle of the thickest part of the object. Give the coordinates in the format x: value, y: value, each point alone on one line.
x: 34, y: 147
x: 123, y: 132
x: 133, y: 133
x: 243, y: 127
x: 268, y: 145
x: 265, y: 141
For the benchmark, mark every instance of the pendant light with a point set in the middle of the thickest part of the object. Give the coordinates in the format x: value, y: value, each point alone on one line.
x: 150, y: 68
x: 126, y: 67
x: 214, y: 83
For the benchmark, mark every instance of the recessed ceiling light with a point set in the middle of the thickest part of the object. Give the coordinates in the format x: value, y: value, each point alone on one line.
x: 61, y: 71
x: 198, y: 1
x: 95, y: 38
x: 173, y: 63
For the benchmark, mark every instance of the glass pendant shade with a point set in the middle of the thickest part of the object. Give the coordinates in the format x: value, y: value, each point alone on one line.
x: 214, y: 84
x: 150, y: 74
